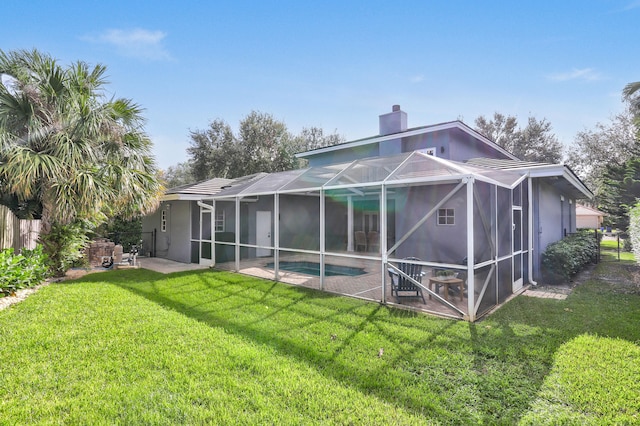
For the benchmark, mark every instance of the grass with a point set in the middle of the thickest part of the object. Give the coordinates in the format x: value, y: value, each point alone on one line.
x: 136, y: 347
x: 609, y: 250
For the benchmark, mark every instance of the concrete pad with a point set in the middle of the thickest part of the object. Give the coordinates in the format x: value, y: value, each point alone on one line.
x: 165, y: 266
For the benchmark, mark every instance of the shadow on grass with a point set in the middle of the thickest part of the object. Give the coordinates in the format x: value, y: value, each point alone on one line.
x: 453, y: 371
x: 530, y: 331
x: 364, y: 345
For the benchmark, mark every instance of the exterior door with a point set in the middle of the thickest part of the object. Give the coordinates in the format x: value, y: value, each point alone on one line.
x: 263, y: 233
x: 517, y: 249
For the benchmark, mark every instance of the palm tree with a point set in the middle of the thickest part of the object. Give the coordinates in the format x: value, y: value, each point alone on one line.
x: 630, y: 89
x: 629, y: 93
x: 62, y: 143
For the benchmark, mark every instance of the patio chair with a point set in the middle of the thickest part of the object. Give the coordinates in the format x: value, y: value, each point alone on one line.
x: 400, y: 283
x: 373, y: 241
x: 361, y: 240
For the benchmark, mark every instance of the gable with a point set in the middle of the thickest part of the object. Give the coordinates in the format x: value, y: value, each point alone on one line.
x: 451, y: 141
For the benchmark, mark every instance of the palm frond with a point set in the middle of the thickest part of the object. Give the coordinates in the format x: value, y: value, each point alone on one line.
x: 630, y: 89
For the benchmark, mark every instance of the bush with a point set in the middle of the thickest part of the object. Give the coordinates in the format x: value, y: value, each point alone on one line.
x: 22, y: 270
x: 565, y: 258
x: 65, y: 245
x: 634, y: 230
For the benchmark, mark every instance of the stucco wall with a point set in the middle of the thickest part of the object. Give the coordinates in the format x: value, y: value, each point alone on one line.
x: 452, y: 144
x: 591, y: 222
x: 174, y: 243
x: 431, y: 242
x: 344, y: 155
x: 554, y: 216
x: 300, y: 222
x: 179, y: 231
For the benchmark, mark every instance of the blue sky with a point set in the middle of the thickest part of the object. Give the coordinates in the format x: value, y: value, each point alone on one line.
x: 340, y: 64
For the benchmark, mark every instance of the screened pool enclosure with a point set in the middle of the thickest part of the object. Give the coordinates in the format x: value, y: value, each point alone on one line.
x: 412, y: 230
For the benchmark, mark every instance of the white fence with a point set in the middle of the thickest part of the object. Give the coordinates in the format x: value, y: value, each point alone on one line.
x: 17, y: 233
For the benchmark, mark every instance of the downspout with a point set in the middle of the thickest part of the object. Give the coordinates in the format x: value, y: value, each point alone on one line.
x: 206, y: 206
x: 213, y: 242
x: 530, y: 230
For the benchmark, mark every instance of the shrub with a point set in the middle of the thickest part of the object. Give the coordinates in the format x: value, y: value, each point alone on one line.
x: 565, y: 258
x: 22, y: 270
x: 634, y: 230
x: 65, y: 245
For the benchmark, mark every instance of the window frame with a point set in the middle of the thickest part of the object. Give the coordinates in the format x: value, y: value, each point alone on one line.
x: 446, y: 217
x: 163, y: 221
x: 219, y: 224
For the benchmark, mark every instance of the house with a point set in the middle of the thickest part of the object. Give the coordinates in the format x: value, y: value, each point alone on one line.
x: 440, y: 197
x: 588, y: 217
x: 181, y: 229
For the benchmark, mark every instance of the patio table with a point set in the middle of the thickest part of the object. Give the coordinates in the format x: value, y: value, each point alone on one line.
x: 446, y: 282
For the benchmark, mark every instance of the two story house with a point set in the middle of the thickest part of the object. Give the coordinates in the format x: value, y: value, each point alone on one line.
x: 439, y: 200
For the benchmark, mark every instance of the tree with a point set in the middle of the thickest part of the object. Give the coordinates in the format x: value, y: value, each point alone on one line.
x: 631, y: 94
x: 263, y: 144
x: 213, y: 152
x: 64, y: 145
x: 609, y: 144
x: 500, y: 129
x: 630, y: 90
x: 620, y: 190
x: 266, y: 144
x: 314, y: 138
x: 536, y: 142
x: 178, y: 175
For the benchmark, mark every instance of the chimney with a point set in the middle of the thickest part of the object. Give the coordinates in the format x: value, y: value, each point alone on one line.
x: 393, y: 122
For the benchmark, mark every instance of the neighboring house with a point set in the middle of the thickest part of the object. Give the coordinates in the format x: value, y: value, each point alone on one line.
x: 588, y: 217
x: 443, y: 195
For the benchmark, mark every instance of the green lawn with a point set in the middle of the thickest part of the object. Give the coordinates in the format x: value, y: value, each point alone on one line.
x: 136, y: 347
x: 609, y: 250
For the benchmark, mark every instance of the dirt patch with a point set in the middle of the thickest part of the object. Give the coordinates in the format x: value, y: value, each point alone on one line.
x: 566, y: 288
x: 622, y: 277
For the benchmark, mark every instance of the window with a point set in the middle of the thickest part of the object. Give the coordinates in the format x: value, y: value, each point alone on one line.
x: 370, y: 221
x: 428, y: 151
x: 446, y: 217
x: 163, y: 221
x: 219, y: 225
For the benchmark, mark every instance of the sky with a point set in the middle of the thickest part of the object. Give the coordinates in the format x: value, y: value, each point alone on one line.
x: 338, y: 65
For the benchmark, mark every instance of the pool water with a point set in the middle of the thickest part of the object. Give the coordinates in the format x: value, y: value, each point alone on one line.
x: 313, y: 268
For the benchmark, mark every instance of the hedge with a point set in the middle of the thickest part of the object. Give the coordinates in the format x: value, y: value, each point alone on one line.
x: 565, y: 258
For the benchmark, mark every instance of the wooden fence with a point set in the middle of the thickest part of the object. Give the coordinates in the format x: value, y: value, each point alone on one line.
x: 17, y: 233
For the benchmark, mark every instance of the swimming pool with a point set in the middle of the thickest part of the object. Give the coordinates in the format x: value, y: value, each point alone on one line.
x: 313, y: 268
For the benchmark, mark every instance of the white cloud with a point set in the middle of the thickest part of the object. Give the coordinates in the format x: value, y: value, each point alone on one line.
x: 585, y: 74
x: 417, y: 78
x: 137, y: 43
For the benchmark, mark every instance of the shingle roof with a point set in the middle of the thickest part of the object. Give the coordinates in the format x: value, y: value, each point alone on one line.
x: 204, y: 189
x: 503, y: 164
x: 211, y: 186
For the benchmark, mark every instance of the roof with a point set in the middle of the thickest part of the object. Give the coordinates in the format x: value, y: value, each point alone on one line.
x: 199, y: 190
x: 204, y: 187
x: 583, y: 210
x: 353, y: 177
x: 407, y: 133
x: 540, y: 170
